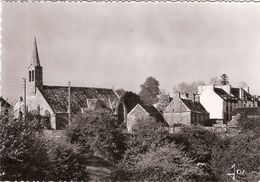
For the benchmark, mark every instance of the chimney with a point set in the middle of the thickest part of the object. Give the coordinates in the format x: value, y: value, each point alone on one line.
x: 187, y: 95
x: 241, y: 93
x: 196, y: 97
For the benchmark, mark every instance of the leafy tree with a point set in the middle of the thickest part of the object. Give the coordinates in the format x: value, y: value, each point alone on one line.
x: 242, y: 150
x: 242, y: 84
x: 131, y: 99
x: 97, y: 133
x: 120, y: 92
x: 224, y: 79
x: 168, y: 163
x: 66, y: 162
x: 197, y: 142
x: 189, y: 88
x: 215, y: 81
x: 164, y: 100
x: 149, y: 91
x: 23, y: 154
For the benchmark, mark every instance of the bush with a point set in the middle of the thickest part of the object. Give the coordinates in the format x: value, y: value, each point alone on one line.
x: 23, y: 154
x: 98, y: 133
x: 66, y: 161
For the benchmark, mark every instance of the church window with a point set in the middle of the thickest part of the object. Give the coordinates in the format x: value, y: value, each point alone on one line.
x: 32, y: 75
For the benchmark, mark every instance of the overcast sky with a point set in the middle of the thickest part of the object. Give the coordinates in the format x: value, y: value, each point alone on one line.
x: 120, y: 44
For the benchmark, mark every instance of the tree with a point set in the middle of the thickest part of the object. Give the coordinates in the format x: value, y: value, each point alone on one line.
x: 23, y: 154
x: 66, y: 162
x: 242, y: 84
x: 224, y: 79
x: 164, y: 100
x: 146, y: 134
x: 167, y: 163
x: 26, y: 153
x: 120, y: 92
x: 197, y: 142
x: 97, y: 133
x: 215, y: 81
x: 131, y: 99
x: 149, y: 91
x: 189, y: 88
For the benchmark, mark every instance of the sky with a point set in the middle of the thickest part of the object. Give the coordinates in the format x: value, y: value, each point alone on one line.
x: 120, y: 44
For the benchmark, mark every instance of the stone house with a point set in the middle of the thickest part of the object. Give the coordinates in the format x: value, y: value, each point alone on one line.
x: 185, y: 111
x: 51, y: 102
x: 5, y: 107
x: 143, y: 111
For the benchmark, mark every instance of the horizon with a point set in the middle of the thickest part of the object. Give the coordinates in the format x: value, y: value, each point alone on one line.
x: 119, y: 45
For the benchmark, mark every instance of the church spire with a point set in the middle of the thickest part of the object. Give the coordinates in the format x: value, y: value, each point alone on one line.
x: 36, y: 60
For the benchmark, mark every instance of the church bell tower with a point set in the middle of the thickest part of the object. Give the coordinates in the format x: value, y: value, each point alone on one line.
x: 34, y: 72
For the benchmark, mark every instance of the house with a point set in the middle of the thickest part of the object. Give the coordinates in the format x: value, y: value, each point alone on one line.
x: 143, y: 111
x: 220, y: 100
x: 185, y: 111
x: 245, y: 99
x: 52, y: 102
x: 5, y: 107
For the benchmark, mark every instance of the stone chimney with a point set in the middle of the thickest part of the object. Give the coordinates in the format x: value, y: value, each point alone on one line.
x: 196, y: 97
x: 241, y: 93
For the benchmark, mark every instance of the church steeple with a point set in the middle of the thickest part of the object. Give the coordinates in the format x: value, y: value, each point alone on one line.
x: 36, y: 60
x: 35, y: 78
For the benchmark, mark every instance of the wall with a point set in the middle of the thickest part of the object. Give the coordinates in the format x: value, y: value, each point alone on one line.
x: 211, y: 101
x: 177, y: 112
x: 38, y: 102
x: 132, y: 117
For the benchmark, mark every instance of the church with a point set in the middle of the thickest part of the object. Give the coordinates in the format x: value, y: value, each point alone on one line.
x: 56, y: 104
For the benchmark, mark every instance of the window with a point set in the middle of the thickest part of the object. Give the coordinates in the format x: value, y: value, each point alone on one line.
x: 32, y: 75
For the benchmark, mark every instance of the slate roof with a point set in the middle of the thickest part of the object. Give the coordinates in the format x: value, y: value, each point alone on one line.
x: 235, y: 92
x: 224, y: 95
x: 81, y: 97
x: 4, y: 103
x: 194, y: 106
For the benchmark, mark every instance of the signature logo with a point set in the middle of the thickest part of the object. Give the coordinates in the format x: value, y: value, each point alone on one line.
x: 235, y: 172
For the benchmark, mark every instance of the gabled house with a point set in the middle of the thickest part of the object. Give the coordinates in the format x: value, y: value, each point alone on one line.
x: 52, y: 102
x: 143, y: 111
x: 185, y: 111
x: 5, y: 107
x: 221, y: 100
x: 245, y: 99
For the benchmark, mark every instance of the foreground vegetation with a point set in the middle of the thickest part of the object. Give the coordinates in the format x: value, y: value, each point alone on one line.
x: 149, y: 153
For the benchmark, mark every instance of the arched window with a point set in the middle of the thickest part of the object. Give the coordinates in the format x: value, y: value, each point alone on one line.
x: 30, y: 75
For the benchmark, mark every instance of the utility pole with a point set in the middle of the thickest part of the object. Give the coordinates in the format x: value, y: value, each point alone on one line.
x: 69, y: 100
x: 24, y: 92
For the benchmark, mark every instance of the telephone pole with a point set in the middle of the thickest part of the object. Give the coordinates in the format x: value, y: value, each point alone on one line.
x: 69, y: 100
x: 24, y: 92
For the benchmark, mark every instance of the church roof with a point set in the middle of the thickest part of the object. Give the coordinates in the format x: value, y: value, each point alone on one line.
x: 81, y: 97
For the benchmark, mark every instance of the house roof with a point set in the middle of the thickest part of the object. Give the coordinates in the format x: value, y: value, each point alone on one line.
x: 4, y: 103
x: 235, y: 92
x: 153, y: 112
x: 81, y: 97
x: 194, y: 106
x: 224, y: 95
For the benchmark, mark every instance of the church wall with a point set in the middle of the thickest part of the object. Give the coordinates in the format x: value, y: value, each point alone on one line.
x: 38, y: 103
